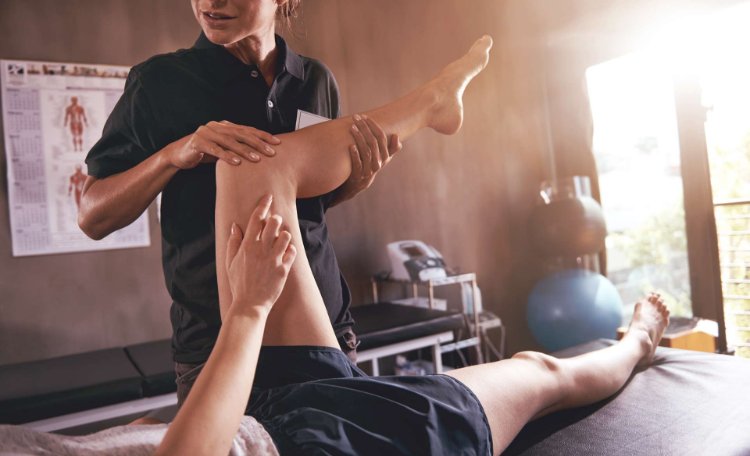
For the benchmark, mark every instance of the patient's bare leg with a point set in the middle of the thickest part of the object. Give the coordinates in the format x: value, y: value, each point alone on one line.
x: 319, y: 154
x: 530, y: 385
x: 315, y: 161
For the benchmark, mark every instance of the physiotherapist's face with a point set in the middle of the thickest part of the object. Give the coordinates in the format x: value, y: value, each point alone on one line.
x: 227, y: 21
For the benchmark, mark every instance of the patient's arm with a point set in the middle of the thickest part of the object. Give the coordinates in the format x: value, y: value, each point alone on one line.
x: 257, y: 267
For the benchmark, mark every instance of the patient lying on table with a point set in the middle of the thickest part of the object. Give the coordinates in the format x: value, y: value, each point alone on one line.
x: 307, y: 396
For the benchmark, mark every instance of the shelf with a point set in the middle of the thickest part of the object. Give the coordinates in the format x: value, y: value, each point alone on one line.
x: 476, y: 327
x: 450, y: 280
x: 465, y: 343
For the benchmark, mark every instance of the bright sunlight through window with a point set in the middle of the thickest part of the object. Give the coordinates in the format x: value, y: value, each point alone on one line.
x: 637, y: 153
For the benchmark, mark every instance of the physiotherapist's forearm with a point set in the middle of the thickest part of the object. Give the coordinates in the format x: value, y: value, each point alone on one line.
x: 210, y: 418
x: 114, y: 202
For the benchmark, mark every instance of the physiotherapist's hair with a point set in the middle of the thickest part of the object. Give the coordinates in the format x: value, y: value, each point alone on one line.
x: 289, y: 9
x: 287, y: 12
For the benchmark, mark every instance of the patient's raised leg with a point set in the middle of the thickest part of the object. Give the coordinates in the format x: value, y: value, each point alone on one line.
x: 315, y: 161
x: 530, y: 385
x: 319, y: 156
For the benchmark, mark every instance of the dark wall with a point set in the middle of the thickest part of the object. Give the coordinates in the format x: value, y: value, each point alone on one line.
x: 469, y: 194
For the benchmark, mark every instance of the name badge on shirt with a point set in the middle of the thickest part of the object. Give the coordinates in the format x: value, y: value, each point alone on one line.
x: 305, y: 119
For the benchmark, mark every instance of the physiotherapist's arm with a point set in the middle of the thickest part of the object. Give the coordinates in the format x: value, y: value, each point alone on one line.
x: 114, y: 202
x: 371, y: 151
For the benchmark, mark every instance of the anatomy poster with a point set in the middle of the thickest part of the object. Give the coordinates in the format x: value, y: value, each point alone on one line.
x: 52, y: 114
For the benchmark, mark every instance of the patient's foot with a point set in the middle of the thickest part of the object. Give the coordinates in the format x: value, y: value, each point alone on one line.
x: 650, y: 319
x: 448, y: 87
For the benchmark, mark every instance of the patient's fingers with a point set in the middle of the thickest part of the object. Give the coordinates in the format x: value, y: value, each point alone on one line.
x: 271, y: 230
x: 289, y: 255
x: 282, y: 243
x: 233, y: 244
x: 258, y: 217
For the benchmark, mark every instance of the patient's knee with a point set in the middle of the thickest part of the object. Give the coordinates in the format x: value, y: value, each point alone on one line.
x: 550, y: 371
x: 540, y: 360
x: 270, y: 175
x: 552, y: 376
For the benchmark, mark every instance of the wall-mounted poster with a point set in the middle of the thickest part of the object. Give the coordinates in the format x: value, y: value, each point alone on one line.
x: 52, y: 114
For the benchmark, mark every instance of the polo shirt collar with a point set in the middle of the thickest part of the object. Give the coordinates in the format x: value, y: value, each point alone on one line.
x: 292, y: 62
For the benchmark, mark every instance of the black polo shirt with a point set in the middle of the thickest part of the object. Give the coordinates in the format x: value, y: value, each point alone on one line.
x: 168, y: 97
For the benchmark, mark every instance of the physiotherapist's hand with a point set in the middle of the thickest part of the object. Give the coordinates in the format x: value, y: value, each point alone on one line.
x: 258, y: 260
x: 225, y: 141
x: 371, y: 151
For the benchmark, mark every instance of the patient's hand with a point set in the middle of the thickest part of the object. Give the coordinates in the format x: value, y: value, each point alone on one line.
x: 258, y: 261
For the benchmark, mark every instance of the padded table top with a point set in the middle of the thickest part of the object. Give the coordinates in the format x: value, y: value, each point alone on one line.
x: 386, y: 323
x: 154, y: 361
x: 686, y: 403
x: 40, y: 389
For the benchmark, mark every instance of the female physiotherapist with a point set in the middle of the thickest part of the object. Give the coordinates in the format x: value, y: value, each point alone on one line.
x: 222, y: 99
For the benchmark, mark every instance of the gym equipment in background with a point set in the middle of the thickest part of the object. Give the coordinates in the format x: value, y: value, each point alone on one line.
x: 568, y: 227
x: 571, y: 307
x: 573, y: 303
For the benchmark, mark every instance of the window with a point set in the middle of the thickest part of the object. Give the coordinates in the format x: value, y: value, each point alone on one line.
x: 725, y: 83
x: 636, y: 147
x: 638, y: 160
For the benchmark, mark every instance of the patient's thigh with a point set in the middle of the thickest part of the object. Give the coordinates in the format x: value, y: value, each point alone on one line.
x: 299, y: 316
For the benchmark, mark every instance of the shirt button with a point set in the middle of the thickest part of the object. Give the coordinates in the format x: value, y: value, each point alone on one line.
x: 254, y: 73
x: 270, y: 104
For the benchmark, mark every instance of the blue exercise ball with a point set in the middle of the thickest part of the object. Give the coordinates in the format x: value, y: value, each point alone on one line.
x: 571, y: 307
